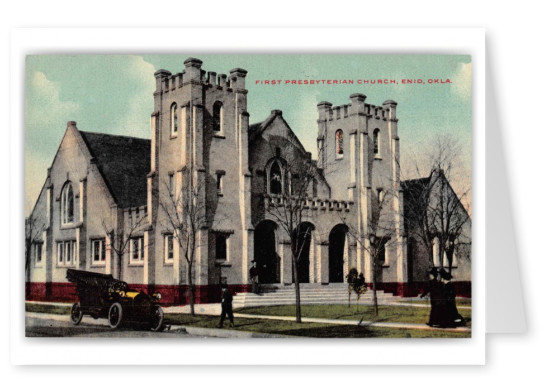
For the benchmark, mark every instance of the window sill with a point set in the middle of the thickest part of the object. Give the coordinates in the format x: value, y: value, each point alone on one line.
x: 340, y: 157
x: 68, y: 226
x: 135, y: 263
x: 378, y: 157
x: 221, y: 136
x: 98, y: 264
x: 39, y: 266
x: 64, y: 266
x: 220, y: 194
x: 222, y: 263
x: 173, y: 136
x: 169, y: 262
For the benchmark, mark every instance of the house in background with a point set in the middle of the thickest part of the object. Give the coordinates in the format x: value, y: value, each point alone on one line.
x: 101, y: 206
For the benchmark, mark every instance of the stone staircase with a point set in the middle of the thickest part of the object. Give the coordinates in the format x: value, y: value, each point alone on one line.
x: 335, y: 293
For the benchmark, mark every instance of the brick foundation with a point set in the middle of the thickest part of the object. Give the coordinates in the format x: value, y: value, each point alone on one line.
x: 179, y: 294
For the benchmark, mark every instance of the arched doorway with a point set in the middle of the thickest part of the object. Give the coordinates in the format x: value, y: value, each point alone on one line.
x: 337, y: 240
x: 303, y: 234
x: 265, y: 255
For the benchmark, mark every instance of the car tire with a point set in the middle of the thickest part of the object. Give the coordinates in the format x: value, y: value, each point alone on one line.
x: 76, y: 314
x: 157, y: 319
x: 115, y: 315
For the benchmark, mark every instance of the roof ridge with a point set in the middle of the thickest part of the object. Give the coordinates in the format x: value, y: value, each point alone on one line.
x: 114, y: 135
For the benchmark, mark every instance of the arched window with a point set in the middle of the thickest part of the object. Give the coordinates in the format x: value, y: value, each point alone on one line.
x: 174, y: 119
x: 376, y: 141
x: 275, y: 178
x: 67, y: 204
x: 217, y: 117
x: 339, y: 146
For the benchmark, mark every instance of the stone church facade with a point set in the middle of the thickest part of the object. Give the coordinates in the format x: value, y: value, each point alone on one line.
x: 101, y: 208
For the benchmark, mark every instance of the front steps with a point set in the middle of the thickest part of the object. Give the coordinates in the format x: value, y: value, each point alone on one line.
x: 334, y: 293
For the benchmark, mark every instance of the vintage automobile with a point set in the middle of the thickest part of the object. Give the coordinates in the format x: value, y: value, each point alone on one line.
x: 102, y: 296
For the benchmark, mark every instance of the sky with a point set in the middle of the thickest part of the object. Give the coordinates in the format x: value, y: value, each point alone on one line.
x: 114, y: 94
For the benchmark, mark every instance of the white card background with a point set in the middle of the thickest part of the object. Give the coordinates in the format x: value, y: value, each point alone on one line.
x: 381, y: 352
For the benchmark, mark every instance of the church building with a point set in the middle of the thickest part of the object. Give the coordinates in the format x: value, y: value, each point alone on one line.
x: 106, y: 203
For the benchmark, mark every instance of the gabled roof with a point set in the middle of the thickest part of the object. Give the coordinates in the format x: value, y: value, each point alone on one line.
x: 124, y: 163
x: 415, y: 190
x: 257, y: 129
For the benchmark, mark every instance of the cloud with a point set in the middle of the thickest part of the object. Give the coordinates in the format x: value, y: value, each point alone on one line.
x: 139, y: 75
x: 47, y: 106
x: 462, y: 81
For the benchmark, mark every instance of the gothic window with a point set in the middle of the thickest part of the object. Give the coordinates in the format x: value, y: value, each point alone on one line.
x: 380, y: 195
x: 37, y: 252
x: 220, y: 181
x: 137, y: 250
x: 339, y: 143
x: 173, y: 119
x: 217, y: 116
x: 221, y: 247
x: 275, y: 179
x: 171, y: 183
x: 376, y: 141
x: 169, y: 248
x: 67, y: 204
x: 98, y: 250
x: 66, y: 253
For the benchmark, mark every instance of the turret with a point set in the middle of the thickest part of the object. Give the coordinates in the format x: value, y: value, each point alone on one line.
x: 192, y: 69
x: 237, y: 78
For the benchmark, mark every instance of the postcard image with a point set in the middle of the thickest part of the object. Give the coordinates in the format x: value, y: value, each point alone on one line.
x: 238, y: 196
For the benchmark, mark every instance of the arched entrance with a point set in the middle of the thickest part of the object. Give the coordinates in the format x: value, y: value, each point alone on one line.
x: 303, y: 234
x: 337, y: 240
x: 265, y: 255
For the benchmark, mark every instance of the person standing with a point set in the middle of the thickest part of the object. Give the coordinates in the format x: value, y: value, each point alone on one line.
x: 437, y: 303
x: 253, y: 275
x: 454, y: 318
x: 227, y: 306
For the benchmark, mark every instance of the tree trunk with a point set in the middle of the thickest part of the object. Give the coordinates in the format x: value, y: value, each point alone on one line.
x: 297, y: 290
x: 374, y: 281
x: 28, y: 272
x: 191, y: 289
x: 119, y: 265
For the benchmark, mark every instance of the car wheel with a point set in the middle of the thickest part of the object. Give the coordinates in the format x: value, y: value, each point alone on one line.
x: 76, y: 314
x: 157, y: 319
x: 115, y: 315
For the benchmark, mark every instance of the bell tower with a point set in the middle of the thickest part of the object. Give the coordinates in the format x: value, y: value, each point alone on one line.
x: 199, y: 140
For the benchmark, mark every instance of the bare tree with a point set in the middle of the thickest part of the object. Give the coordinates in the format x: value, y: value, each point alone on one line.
x: 33, y: 232
x: 380, y: 233
x: 433, y: 209
x: 185, y: 215
x: 121, y: 237
x: 287, y: 204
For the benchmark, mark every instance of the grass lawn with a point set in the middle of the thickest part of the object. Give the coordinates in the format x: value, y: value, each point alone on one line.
x: 460, y: 301
x: 312, y: 330
x: 399, y: 314
x: 315, y: 330
x: 47, y: 308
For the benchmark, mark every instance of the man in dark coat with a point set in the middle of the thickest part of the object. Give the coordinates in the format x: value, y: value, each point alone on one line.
x: 253, y: 274
x: 453, y: 317
x: 227, y: 308
x: 437, y: 316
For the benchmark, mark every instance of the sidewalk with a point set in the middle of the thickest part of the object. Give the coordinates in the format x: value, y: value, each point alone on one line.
x: 193, y: 331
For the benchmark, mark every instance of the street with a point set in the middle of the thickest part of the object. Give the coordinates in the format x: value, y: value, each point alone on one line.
x: 50, y: 325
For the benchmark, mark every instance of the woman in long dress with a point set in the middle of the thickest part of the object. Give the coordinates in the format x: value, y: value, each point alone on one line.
x: 453, y: 317
x: 437, y: 303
